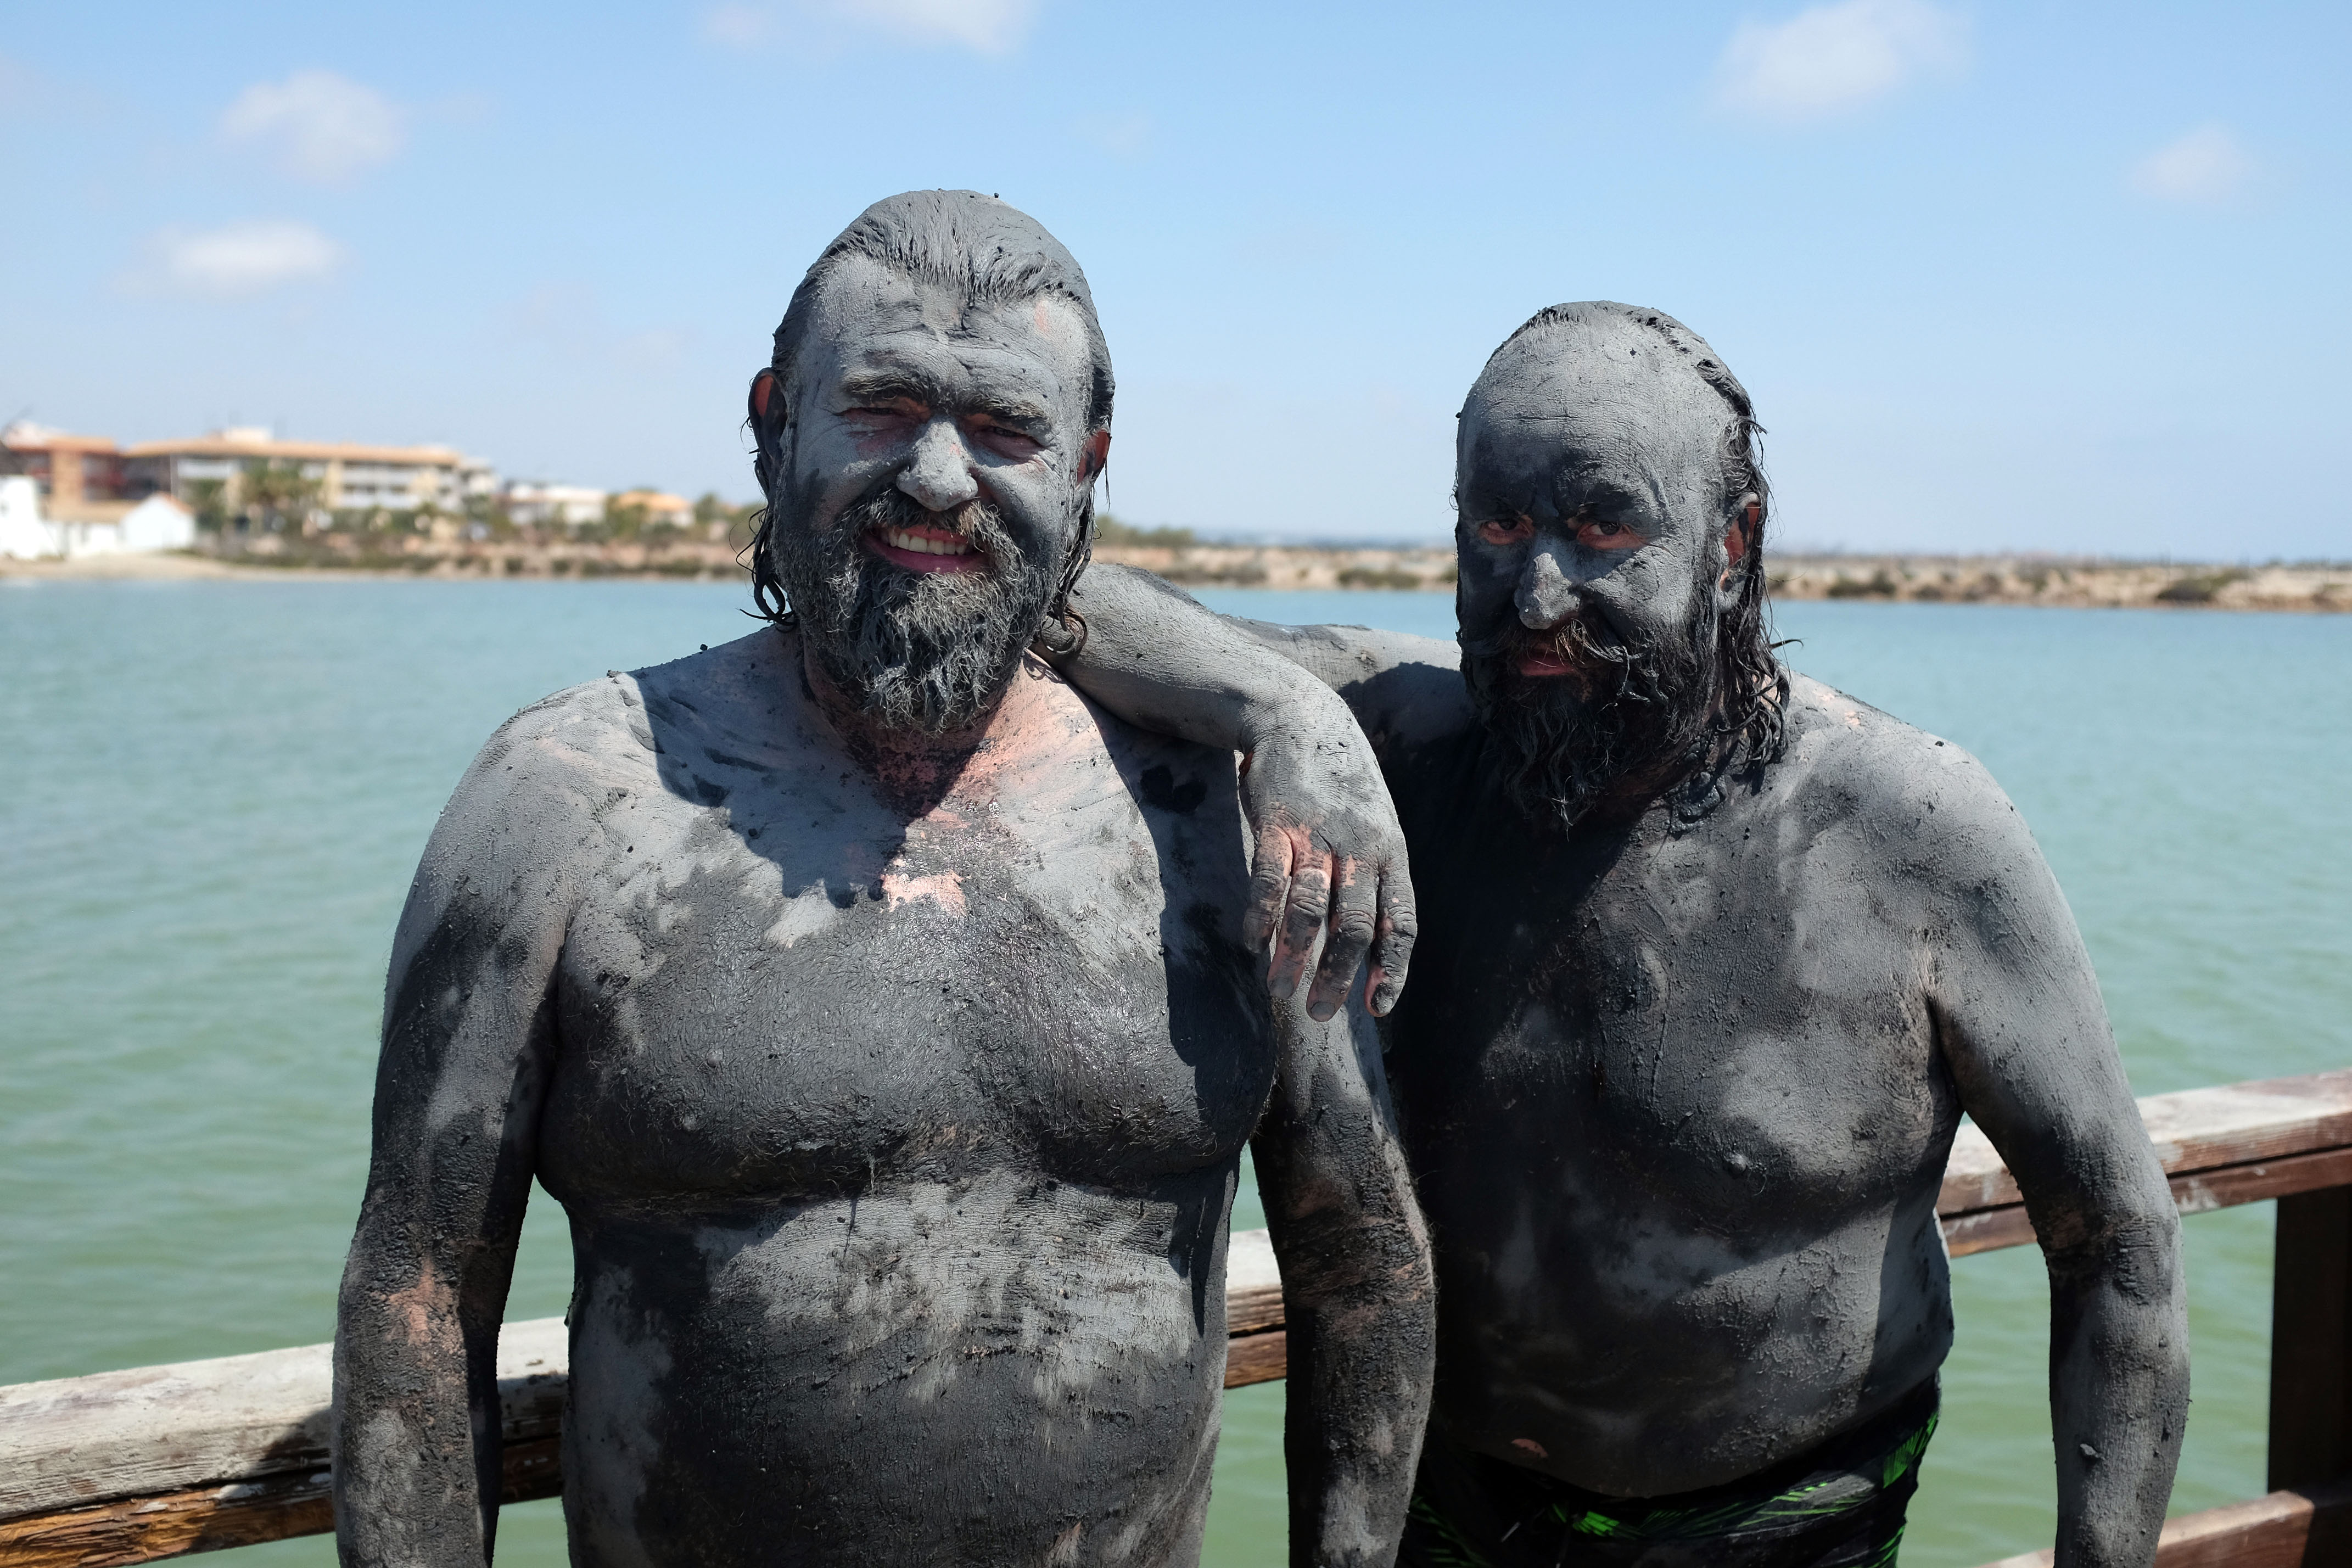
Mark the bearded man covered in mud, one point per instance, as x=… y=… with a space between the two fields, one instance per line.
x=1713 y=958
x=883 y=1015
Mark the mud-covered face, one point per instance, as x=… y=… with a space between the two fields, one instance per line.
x=936 y=475
x=1594 y=538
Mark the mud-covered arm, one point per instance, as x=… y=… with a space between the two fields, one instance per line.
x=2022 y=1028
x=1358 y=1296
x=468 y=1040
x=1329 y=857
x=1155 y=657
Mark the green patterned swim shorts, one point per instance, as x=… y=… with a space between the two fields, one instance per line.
x=1841 y=1505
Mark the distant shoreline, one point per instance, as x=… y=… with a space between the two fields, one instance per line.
x=2082 y=583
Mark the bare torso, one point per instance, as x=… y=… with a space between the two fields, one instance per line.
x=1706 y=1057
x=898 y=1154
x=1678 y=1092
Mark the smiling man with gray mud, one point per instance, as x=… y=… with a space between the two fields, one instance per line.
x=1713 y=958
x=889 y=1023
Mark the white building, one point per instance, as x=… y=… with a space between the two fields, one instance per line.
x=395 y=478
x=23 y=535
x=157 y=523
x=533 y=505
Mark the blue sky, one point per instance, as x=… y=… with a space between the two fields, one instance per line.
x=1998 y=275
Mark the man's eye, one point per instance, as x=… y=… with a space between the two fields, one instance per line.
x=1003 y=433
x=1604 y=534
x=1504 y=530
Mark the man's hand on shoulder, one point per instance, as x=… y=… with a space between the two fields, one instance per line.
x=1329 y=857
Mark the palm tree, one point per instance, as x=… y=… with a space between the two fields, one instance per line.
x=277 y=491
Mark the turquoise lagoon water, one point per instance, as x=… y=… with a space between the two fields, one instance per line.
x=211 y=796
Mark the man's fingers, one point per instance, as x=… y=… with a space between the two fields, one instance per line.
x=1269 y=889
x=1353 y=905
x=1391 y=945
x=1302 y=918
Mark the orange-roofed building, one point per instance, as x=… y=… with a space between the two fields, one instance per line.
x=66 y=470
x=350 y=476
x=658 y=505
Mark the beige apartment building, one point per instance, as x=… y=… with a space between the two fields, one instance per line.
x=76 y=477
x=350 y=476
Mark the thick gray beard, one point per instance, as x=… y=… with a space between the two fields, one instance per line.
x=931 y=651
x=1642 y=716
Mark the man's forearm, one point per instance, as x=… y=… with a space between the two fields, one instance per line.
x=1358 y=1293
x=2118 y=1395
x=415 y=1429
x=1327 y=854
x=1360 y=1371
x=1163 y=662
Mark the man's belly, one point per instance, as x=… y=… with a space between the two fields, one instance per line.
x=996 y=1370
x=1636 y=1361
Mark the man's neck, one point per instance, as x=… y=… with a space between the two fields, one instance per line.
x=914 y=769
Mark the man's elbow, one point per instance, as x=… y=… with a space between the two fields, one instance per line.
x=1372 y=1263
x=2128 y=1244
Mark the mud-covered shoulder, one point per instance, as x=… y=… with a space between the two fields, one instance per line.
x=528 y=815
x=1933 y=809
x=585 y=738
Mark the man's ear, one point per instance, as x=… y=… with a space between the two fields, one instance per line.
x=765 y=412
x=1741 y=529
x=1095 y=456
x=1738 y=536
x=767 y=402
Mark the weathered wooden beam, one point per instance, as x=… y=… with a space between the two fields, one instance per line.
x=2240 y=1143
x=128 y=1467
x=1257 y=1349
x=2304 y=1528
x=159 y=1430
x=208 y=1519
x=2311 y=1341
x=131 y=1465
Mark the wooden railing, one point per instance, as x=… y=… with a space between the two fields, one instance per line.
x=128 y=1466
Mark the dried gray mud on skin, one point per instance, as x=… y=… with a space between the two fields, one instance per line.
x=891 y=1048
x=1709 y=967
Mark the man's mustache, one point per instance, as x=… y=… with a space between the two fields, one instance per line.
x=886 y=507
x=1594 y=658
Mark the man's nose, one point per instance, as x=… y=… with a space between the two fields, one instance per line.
x=939 y=476
x=1546 y=597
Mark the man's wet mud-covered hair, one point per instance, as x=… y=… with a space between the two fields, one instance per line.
x=987 y=253
x=1754 y=686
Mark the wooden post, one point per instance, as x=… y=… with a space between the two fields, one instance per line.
x=2311 y=1341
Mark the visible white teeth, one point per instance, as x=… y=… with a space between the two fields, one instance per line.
x=900 y=539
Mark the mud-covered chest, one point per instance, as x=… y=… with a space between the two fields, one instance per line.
x=1683 y=1021
x=809 y=1016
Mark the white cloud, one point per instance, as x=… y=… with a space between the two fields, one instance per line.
x=1828 y=59
x=990 y=26
x=318 y=125
x=235 y=260
x=985 y=26
x=2208 y=165
x=738 y=26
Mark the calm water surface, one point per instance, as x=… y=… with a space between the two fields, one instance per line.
x=213 y=796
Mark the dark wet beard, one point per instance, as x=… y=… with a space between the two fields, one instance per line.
x=1623 y=717
x=915 y=651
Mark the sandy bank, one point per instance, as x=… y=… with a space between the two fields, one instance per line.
x=1951 y=579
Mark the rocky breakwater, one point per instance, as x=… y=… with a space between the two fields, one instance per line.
x=2086 y=583
x=1288 y=566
